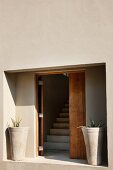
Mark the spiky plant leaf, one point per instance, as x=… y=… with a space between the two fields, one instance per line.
x=16 y=122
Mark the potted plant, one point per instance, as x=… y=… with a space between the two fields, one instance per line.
x=18 y=140
x=93 y=137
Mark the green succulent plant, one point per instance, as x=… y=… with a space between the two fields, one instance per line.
x=16 y=122
x=94 y=124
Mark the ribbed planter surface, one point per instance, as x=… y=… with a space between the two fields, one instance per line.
x=18 y=140
x=93 y=138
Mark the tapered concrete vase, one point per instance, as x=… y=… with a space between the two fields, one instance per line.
x=93 y=138
x=18 y=140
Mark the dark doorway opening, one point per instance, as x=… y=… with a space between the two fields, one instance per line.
x=53 y=101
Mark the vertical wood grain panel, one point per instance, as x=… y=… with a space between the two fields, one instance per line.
x=77 y=115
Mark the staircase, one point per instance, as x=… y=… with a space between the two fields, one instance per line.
x=59 y=134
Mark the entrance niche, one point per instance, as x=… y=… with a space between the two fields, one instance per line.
x=63 y=95
x=82 y=95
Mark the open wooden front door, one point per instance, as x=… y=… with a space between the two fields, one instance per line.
x=77 y=115
x=39 y=116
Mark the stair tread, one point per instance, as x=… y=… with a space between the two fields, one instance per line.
x=67 y=104
x=64 y=115
x=61 y=125
x=63 y=136
x=59 y=131
x=64 y=123
x=65 y=112
x=57 y=138
x=65 y=108
x=56 y=145
x=64 y=119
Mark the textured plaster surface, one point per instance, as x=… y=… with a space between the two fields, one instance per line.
x=49 y=33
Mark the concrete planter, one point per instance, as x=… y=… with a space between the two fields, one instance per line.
x=93 y=138
x=18 y=140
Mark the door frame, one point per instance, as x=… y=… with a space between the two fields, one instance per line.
x=49 y=72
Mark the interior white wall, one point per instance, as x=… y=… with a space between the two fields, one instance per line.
x=25 y=108
x=96 y=108
x=96 y=94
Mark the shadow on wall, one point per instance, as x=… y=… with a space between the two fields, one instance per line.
x=25 y=89
x=8 y=146
x=11 y=83
x=9 y=105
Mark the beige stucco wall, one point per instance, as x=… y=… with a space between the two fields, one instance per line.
x=45 y=33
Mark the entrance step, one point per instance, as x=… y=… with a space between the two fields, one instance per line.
x=64 y=132
x=64 y=115
x=54 y=138
x=61 y=125
x=66 y=120
x=56 y=146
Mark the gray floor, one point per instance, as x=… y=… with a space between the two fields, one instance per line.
x=62 y=156
x=57 y=157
